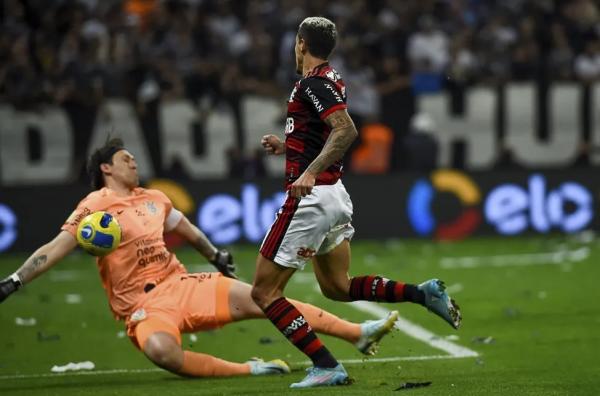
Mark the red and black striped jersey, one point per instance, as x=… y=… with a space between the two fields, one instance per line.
x=314 y=97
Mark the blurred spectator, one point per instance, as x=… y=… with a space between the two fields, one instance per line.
x=359 y=77
x=526 y=53
x=47 y=46
x=363 y=100
x=587 y=64
x=77 y=53
x=428 y=47
x=397 y=103
x=373 y=155
x=420 y=147
x=428 y=52
x=561 y=55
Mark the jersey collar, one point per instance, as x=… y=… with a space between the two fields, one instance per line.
x=316 y=69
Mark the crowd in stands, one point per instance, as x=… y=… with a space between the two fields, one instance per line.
x=82 y=51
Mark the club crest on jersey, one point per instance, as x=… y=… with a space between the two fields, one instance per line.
x=333 y=75
x=138 y=315
x=151 y=207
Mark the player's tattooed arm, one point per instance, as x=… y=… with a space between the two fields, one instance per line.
x=46 y=256
x=343 y=133
x=31 y=266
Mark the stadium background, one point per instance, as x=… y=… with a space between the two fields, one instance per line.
x=479 y=123
x=504 y=93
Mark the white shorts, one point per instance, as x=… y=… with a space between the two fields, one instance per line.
x=310 y=226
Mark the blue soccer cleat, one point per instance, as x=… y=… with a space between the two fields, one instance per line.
x=372 y=331
x=320 y=376
x=260 y=367
x=438 y=302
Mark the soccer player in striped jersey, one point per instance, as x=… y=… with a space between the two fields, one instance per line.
x=314 y=222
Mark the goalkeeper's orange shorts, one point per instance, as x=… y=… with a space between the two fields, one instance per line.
x=183 y=303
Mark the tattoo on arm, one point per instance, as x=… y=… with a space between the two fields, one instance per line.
x=343 y=133
x=31 y=266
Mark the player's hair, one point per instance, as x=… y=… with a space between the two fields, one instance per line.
x=320 y=36
x=102 y=155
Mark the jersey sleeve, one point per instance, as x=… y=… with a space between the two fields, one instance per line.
x=322 y=95
x=162 y=198
x=86 y=206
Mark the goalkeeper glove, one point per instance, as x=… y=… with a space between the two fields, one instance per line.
x=9 y=285
x=223 y=261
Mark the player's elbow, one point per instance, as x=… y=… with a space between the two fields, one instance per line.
x=349 y=133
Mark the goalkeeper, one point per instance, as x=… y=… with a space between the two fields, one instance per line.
x=151 y=291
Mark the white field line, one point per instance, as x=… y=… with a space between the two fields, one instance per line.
x=415 y=331
x=510 y=260
x=156 y=370
x=389 y=359
x=75 y=373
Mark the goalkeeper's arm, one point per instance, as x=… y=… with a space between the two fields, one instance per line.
x=221 y=259
x=38 y=263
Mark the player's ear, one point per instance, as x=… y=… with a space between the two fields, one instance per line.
x=302 y=45
x=105 y=168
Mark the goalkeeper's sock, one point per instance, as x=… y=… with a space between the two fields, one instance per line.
x=202 y=365
x=376 y=288
x=326 y=323
x=290 y=321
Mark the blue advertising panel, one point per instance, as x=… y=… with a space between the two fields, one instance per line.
x=444 y=205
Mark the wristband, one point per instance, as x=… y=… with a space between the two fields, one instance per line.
x=15 y=278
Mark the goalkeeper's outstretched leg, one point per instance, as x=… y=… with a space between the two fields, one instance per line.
x=159 y=336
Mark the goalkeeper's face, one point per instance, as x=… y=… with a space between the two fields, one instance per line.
x=124 y=169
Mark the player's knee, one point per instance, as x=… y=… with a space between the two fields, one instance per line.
x=334 y=291
x=263 y=296
x=259 y=296
x=330 y=293
x=164 y=352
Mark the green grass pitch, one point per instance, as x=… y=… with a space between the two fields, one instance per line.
x=537 y=298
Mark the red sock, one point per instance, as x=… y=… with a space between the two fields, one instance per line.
x=376 y=288
x=288 y=319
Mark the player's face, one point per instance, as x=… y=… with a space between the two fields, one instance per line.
x=299 y=56
x=124 y=169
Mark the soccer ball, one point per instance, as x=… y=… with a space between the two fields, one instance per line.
x=99 y=233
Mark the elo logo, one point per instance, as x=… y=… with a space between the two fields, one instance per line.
x=226 y=218
x=511 y=209
x=421 y=197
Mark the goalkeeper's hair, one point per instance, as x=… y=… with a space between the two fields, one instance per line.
x=320 y=35
x=102 y=155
